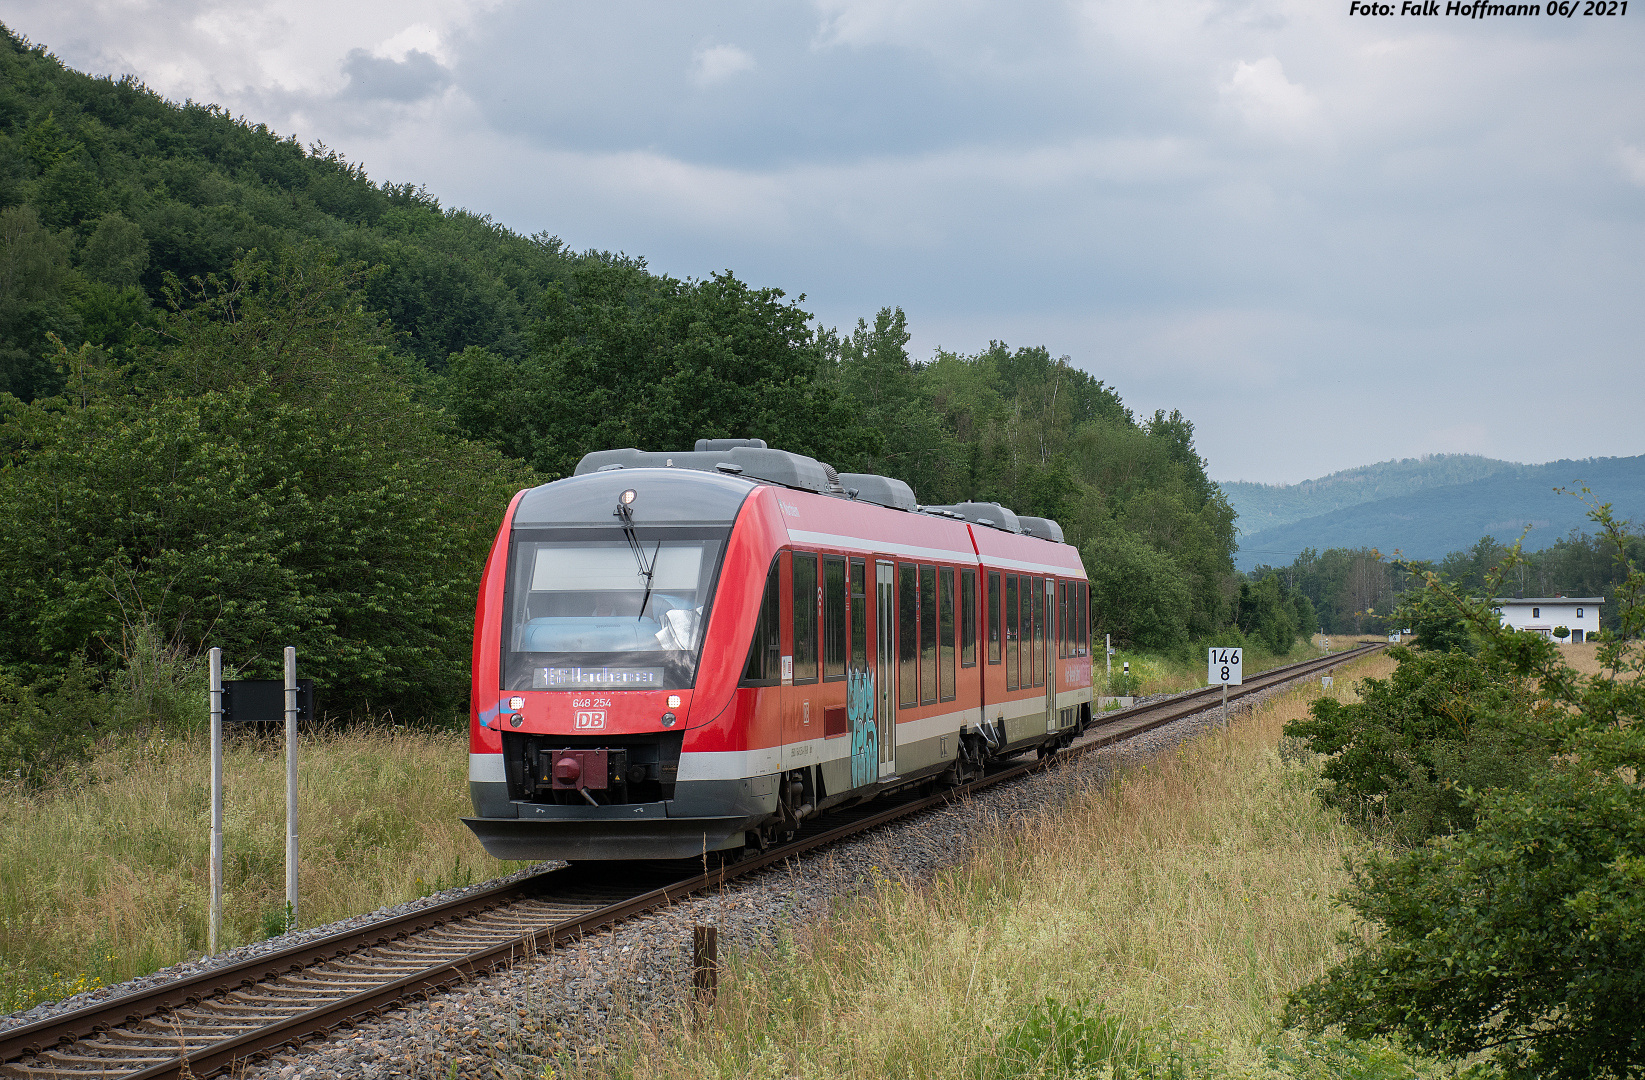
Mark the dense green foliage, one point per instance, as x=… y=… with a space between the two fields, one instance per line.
x=1410 y=749
x=258 y=476
x=106 y=188
x=1273 y=613
x=1524 y=934
x=622 y=358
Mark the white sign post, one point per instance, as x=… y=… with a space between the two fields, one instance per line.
x=291 y=787
x=1225 y=666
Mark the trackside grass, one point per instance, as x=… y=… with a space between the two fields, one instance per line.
x=1158 y=674
x=105 y=876
x=1152 y=927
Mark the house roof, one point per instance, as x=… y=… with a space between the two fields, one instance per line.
x=1548 y=600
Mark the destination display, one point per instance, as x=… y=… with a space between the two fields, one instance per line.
x=597 y=678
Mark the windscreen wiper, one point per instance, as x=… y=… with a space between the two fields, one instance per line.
x=646 y=570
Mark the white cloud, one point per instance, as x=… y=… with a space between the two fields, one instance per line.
x=716 y=63
x=1632 y=160
x=1268 y=101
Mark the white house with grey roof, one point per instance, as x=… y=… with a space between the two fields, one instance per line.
x=1579 y=614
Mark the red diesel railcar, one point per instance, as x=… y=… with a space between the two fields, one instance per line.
x=693 y=652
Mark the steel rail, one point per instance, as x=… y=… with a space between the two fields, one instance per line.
x=154 y=1003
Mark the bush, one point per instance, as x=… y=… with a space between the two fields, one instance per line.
x=1409 y=751
x=1526 y=934
x=46 y=729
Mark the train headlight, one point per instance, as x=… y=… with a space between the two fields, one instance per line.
x=673 y=701
x=668 y=719
x=516 y=703
x=627 y=497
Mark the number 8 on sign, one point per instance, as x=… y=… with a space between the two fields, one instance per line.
x=1224 y=666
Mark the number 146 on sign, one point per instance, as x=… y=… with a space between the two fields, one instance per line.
x=1224 y=667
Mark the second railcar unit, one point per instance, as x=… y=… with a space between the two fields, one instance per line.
x=683 y=653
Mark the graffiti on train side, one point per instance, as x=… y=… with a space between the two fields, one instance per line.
x=865 y=738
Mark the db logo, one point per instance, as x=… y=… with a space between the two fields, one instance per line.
x=588 y=720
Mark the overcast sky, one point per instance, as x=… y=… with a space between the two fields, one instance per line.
x=1327 y=239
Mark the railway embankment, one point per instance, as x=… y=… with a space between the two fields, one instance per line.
x=1167 y=890
x=1149 y=909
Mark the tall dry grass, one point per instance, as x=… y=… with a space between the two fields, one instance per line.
x=1174 y=908
x=107 y=879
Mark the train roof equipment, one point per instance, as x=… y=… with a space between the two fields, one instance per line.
x=880 y=490
x=1044 y=528
x=991 y=514
x=752 y=459
x=742 y=459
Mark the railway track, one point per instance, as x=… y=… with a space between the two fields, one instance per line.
x=211 y=1021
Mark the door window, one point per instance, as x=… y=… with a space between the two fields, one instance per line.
x=908 y=635
x=945 y=635
x=993 y=616
x=928 y=635
x=1012 y=627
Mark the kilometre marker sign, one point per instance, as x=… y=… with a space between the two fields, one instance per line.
x=1224 y=667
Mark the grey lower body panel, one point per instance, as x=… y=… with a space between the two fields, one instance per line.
x=704 y=815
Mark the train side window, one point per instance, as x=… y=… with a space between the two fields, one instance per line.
x=993 y=615
x=764 y=667
x=1039 y=631
x=1073 y=620
x=968 y=618
x=1082 y=615
x=1062 y=619
x=805 y=618
x=945 y=635
x=928 y=635
x=833 y=618
x=908 y=635
x=1011 y=627
x=859 y=615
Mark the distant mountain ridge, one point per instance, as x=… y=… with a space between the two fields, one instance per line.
x=1267 y=506
x=1430 y=521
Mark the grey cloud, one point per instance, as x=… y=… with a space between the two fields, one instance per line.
x=374 y=78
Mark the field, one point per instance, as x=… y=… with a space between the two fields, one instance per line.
x=1152 y=927
x=106 y=877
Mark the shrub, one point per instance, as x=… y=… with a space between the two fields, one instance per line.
x=1409 y=751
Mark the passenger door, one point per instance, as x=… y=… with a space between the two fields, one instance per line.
x=885 y=657
x=1050 y=634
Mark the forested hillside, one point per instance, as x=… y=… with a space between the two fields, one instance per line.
x=1266 y=506
x=250 y=398
x=108 y=188
x=1431 y=521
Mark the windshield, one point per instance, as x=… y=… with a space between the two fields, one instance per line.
x=607 y=614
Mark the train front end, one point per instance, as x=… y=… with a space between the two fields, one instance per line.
x=613 y=618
